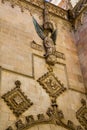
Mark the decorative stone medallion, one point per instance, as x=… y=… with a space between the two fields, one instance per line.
x=82 y=114
x=16 y=100
x=51 y=83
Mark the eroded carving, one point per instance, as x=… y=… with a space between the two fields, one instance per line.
x=36 y=46
x=24 y=4
x=51 y=84
x=19 y=124
x=48 y=34
x=30 y=119
x=60 y=55
x=58 y=11
x=39 y=3
x=9 y=128
x=79 y=7
x=81 y=114
x=16 y=100
x=41 y=117
x=49 y=45
x=76 y=15
x=54 y=113
x=55 y=116
x=70 y=15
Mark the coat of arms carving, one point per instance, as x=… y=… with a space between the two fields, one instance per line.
x=51 y=83
x=16 y=100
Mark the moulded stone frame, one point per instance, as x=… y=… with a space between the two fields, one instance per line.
x=23 y=105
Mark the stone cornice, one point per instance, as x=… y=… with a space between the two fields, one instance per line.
x=79 y=18
x=77 y=14
x=79 y=8
x=57 y=11
x=25 y=4
x=74 y=17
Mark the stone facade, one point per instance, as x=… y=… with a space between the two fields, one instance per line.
x=34 y=94
x=81 y=39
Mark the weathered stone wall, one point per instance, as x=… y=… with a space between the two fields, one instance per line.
x=81 y=43
x=21 y=59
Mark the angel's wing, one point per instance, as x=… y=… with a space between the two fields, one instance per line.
x=54 y=36
x=39 y=29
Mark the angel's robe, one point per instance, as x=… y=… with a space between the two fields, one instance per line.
x=49 y=45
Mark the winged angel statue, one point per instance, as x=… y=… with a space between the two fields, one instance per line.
x=48 y=35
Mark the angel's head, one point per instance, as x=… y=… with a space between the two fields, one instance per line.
x=47 y=33
x=49 y=26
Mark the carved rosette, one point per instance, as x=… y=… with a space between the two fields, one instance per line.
x=16 y=100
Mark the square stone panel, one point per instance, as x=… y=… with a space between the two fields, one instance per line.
x=17 y=101
x=51 y=83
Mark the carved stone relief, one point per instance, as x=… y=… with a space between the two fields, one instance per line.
x=19 y=124
x=49 y=41
x=81 y=114
x=60 y=55
x=53 y=116
x=16 y=100
x=48 y=34
x=57 y=11
x=70 y=15
x=9 y=128
x=77 y=14
x=36 y=46
x=79 y=7
x=51 y=84
x=80 y=20
x=38 y=3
